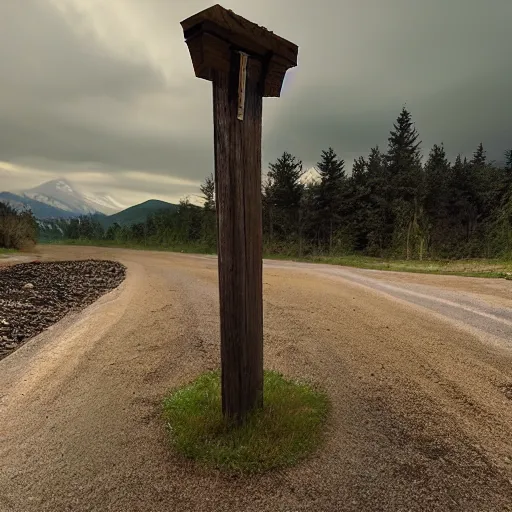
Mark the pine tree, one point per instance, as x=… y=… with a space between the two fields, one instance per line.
x=462 y=208
x=486 y=182
x=479 y=156
x=329 y=199
x=403 y=158
x=113 y=231
x=379 y=218
x=503 y=224
x=208 y=190
x=437 y=196
x=508 y=160
x=188 y=222
x=358 y=204
x=506 y=185
x=208 y=223
x=282 y=198
x=436 y=168
x=406 y=178
x=359 y=170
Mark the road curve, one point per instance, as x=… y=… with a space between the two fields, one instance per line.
x=419 y=370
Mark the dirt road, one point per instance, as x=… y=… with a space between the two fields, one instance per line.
x=418 y=369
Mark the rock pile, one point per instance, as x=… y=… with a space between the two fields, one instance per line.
x=35 y=295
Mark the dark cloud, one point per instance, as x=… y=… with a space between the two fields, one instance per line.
x=109 y=87
x=446 y=61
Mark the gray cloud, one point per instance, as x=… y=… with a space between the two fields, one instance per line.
x=108 y=87
x=447 y=61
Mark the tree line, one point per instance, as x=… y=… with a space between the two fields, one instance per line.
x=189 y=226
x=392 y=204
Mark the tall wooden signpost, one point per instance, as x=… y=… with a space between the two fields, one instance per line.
x=245 y=62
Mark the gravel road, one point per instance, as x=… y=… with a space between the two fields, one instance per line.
x=419 y=370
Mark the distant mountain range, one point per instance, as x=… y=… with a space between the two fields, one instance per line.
x=59 y=199
x=40 y=210
x=55 y=202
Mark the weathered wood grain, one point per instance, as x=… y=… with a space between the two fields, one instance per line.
x=238 y=196
x=236 y=26
x=215 y=38
x=214 y=33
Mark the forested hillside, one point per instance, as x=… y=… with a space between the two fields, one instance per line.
x=393 y=203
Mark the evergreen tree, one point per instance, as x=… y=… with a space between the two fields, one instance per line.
x=358 y=204
x=113 y=231
x=283 y=193
x=208 y=227
x=379 y=222
x=506 y=185
x=462 y=208
x=188 y=222
x=84 y=227
x=376 y=162
x=503 y=224
x=436 y=168
x=208 y=190
x=486 y=183
x=437 y=197
x=359 y=170
x=405 y=174
x=403 y=158
x=479 y=156
x=329 y=199
x=508 y=160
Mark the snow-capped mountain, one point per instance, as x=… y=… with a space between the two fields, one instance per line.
x=103 y=202
x=61 y=194
x=40 y=210
x=310 y=177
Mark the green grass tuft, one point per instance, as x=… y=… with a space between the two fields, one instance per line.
x=287 y=429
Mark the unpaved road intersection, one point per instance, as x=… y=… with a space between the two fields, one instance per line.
x=419 y=370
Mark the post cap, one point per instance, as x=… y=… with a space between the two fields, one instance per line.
x=211 y=35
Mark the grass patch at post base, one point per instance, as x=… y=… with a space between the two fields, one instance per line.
x=287 y=429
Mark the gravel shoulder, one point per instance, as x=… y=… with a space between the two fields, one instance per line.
x=421 y=419
x=35 y=295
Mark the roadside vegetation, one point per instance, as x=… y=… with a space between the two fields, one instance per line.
x=18 y=229
x=287 y=429
x=470 y=267
x=489 y=268
x=172 y=247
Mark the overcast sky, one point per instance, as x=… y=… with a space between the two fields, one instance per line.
x=103 y=92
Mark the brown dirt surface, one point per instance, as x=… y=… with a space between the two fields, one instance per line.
x=418 y=368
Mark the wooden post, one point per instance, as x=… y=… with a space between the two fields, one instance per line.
x=245 y=62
